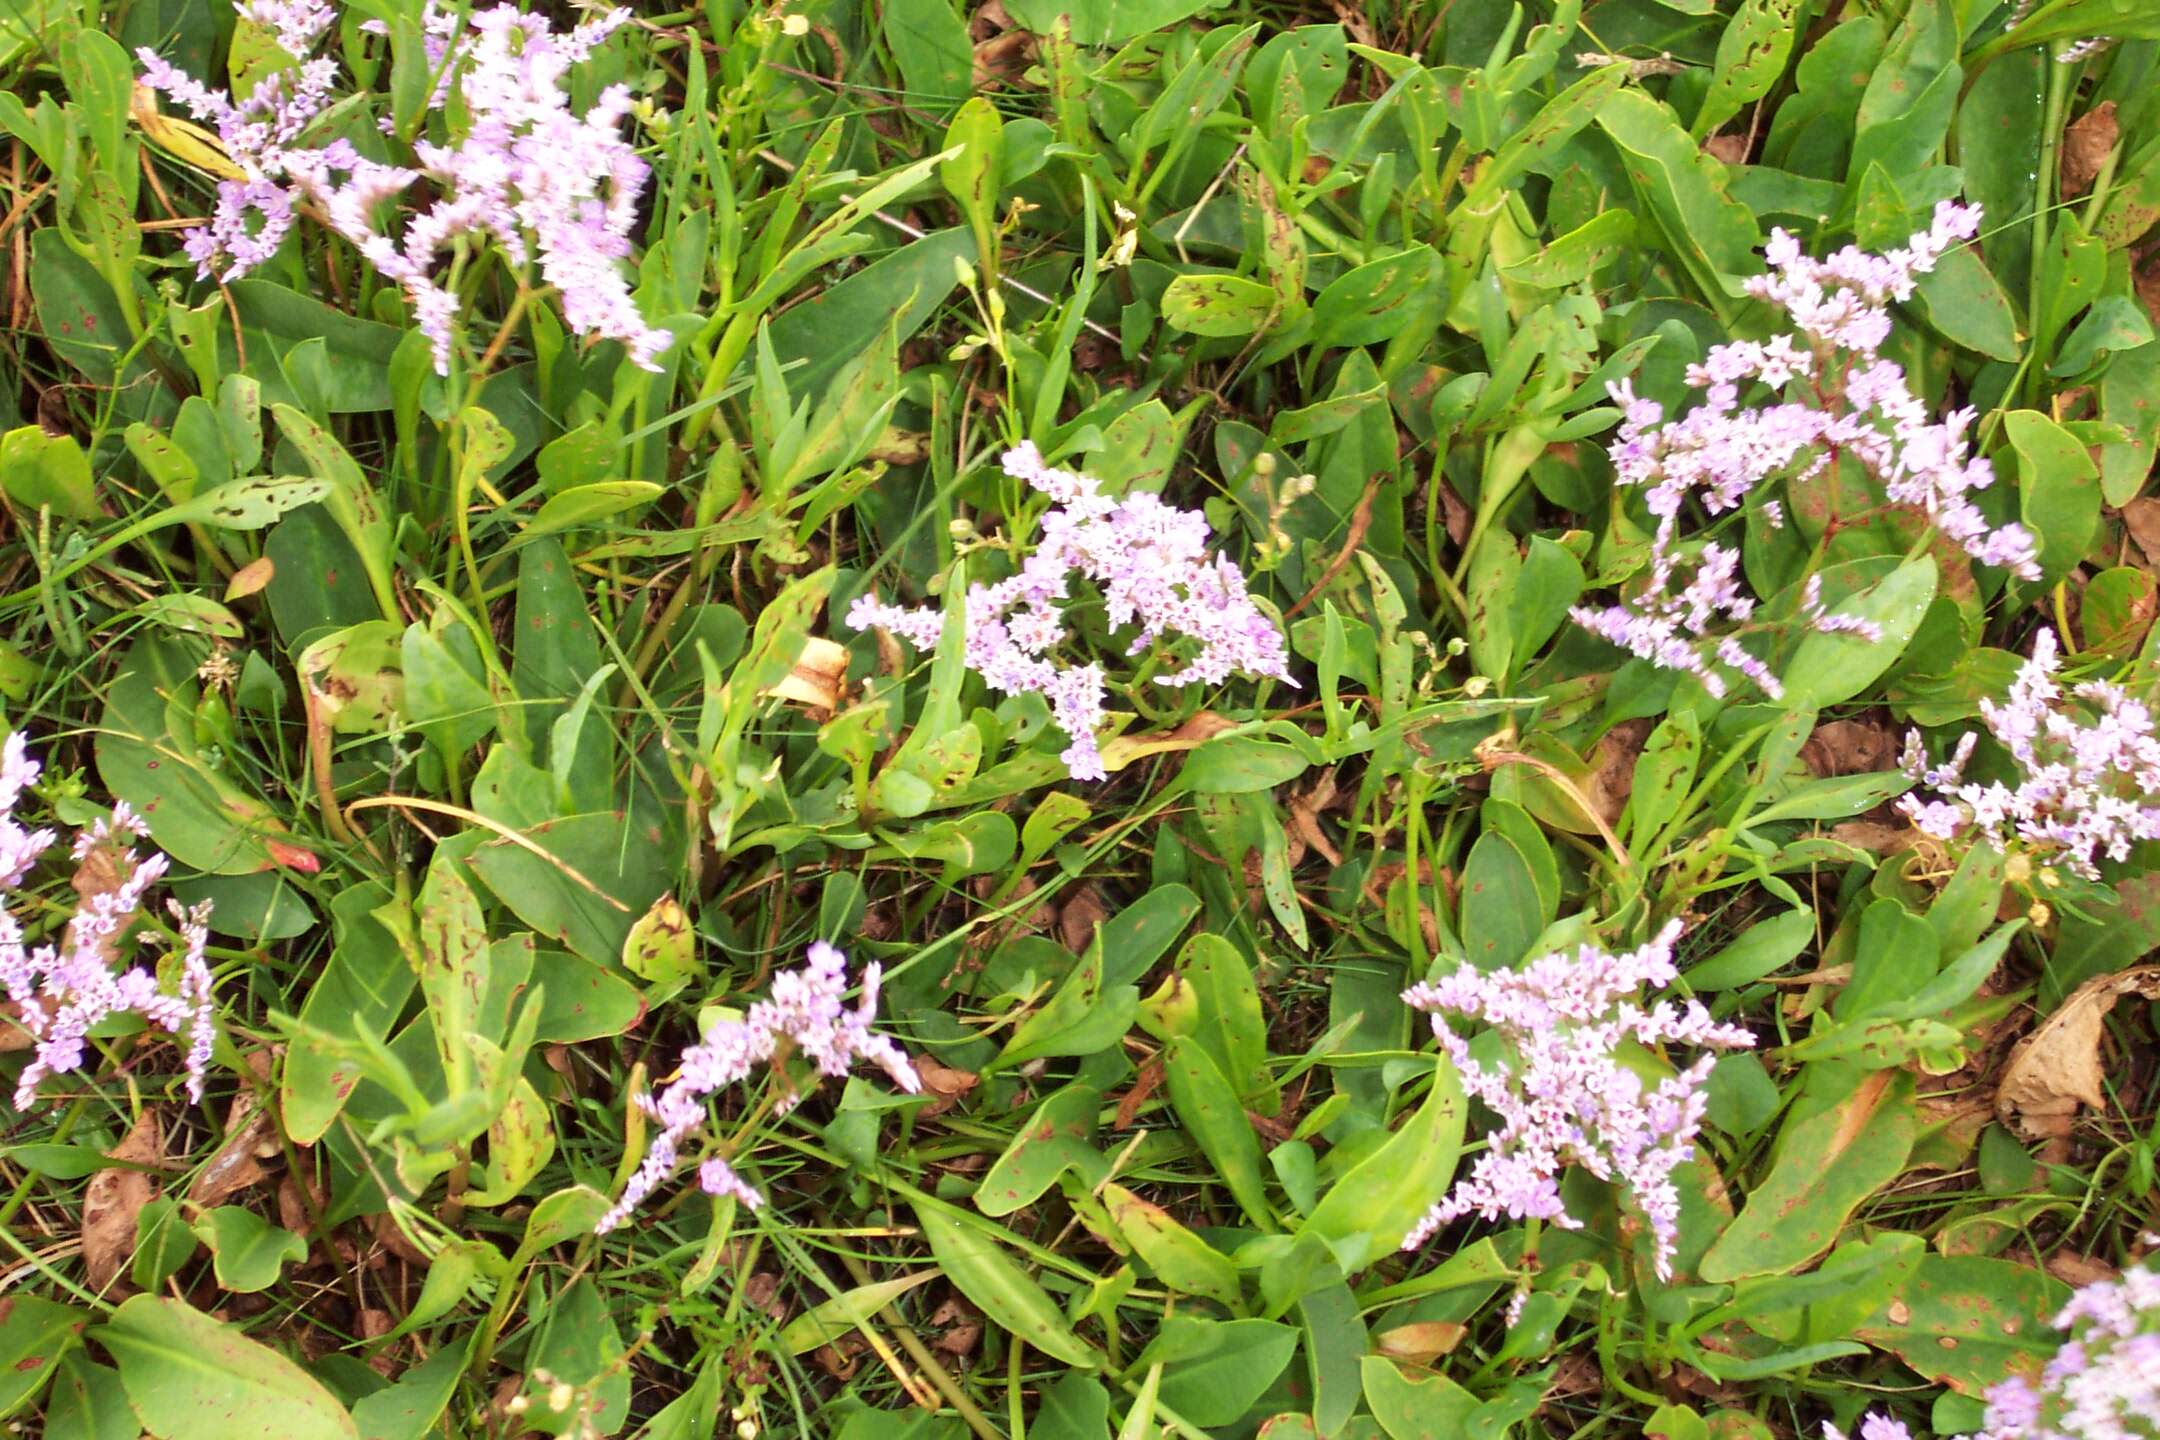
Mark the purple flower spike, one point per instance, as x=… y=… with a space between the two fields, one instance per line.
x=805 y=1010
x=1152 y=564
x=1828 y=393
x=544 y=184
x=1567 y=1099
x=61 y=991
x=2089 y=767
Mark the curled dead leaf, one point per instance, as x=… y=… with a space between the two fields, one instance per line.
x=1420 y=1341
x=1082 y=911
x=2054 y=1070
x=2085 y=147
x=115 y=1197
x=1851 y=747
x=1612 y=778
x=2141 y=517
x=1730 y=148
x=819 y=675
x=250 y=578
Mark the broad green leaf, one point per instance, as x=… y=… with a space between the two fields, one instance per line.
x=1433 y=1408
x=981 y=1270
x=34 y=1335
x=579 y=1344
x=1682 y=188
x=1106 y=22
x=409 y=1407
x=248 y=1251
x=1765 y=946
x=583 y=505
x=1081 y=1017
x=179 y=1365
x=1053 y=1140
x=1207 y=1106
x=1218 y=304
x=1969 y=1322
x=362 y=988
x=662 y=948
x=1375 y=1203
x=1825 y=1166
x=1501 y=912
x=1751 y=56
x=930 y=43
x=1216 y=1370
x=2058 y=490
x=1374 y=302
x=88 y=1402
x=1180 y=1259
x=828 y=1321
x=147 y=755
x=1831 y=669
x=40 y=470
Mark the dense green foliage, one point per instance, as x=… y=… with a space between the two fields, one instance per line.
x=510 y=720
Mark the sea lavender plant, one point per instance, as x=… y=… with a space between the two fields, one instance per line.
x=521 y=167
x=2103 y=1384
x=1152 y=565
x=1828 y=392
x=61 y=991
x=2088 y=766
x=804 y=1014
x=1568 y=1098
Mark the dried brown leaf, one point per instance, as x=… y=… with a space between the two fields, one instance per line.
x=249 y=1139
x=1079 y=916
x=1420 y=1341
x=1731 y=148
x=2077 y=1271
x=115 y=1197
x=2085 y=147
x=2142 y=519
x=1006 y=57
x=2054 y=1070
x=819 y=674
x=250 y=578
x=1850 y=747
x=1612 y=778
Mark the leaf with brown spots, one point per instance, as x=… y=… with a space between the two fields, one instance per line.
x=2057 y=1068
x=115 y=1197
x=1828 y=1162
x=1969 y=1322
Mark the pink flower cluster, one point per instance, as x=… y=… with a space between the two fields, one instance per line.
x=522 y=170
x=1831 y=394
x=1568 y=1098
x=805 y=1013
x=1152 y=564
x=2103 y=1384
x=2089 y=783
x=61 y=991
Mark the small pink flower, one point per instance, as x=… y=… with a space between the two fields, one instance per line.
x=1152 y=564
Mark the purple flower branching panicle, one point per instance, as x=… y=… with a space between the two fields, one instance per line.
x=543 y=183
x=61 y=991
x=1826 y=392
x=1872 y=1427
x=2102 y=1384
x=804 y=1013
x=1153 y=567
x=1567 y=1098
x=2088 y=765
